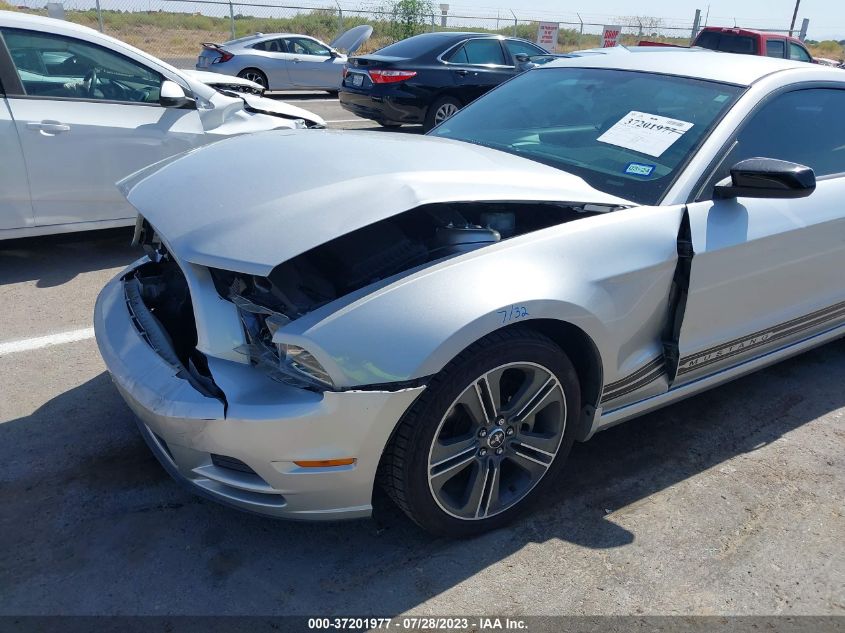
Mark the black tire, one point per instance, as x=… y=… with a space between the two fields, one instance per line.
x=432 y=115
x=405 y=466
x=253 y=74
x=333 y=93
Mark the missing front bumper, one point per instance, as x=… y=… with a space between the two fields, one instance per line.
x=265 y=425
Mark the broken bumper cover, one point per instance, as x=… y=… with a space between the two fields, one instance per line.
x=242 y=453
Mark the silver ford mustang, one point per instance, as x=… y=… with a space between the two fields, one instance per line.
x=445 y=315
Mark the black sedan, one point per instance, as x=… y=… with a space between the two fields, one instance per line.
x=427 y=78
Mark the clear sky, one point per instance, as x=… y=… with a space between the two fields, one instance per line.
x=827 y=17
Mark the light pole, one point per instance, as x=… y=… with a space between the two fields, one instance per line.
x=794 y=16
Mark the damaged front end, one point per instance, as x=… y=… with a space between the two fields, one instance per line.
x=375 y=254
x=159 y=304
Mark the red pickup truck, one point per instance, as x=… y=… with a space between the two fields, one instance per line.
x=748 y=42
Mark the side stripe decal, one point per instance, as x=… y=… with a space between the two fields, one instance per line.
x=656 y=368
x=760 y=338
x=646 y=374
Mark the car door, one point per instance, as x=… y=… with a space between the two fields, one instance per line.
x=769 y=272
x=799 y=53
x=312 y=64
x=15 y=204
x=87 y=116
x=479 y=65
x=521 y=47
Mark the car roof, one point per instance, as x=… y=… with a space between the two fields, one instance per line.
x=736 y=30
x=698 y=63
x=460 y=35
x=27 y=20
x=263 y=37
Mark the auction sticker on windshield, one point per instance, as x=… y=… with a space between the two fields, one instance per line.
x=650 y=134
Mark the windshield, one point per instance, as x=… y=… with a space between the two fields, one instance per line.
x=625 y=133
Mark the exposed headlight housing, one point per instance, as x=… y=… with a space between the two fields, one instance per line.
x=301 y=360
x=290 y=364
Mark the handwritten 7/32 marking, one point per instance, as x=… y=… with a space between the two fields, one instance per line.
x=513 y=313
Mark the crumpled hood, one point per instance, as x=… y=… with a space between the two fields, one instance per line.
x=280 y=108
x=255 y=102
x=251 y=202
x=217 y=79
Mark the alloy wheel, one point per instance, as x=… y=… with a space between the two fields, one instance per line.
x=255 y=77
x=444 y=112
x=497 y=440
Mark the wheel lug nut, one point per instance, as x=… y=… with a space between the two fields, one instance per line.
x=482 y=433
x=509 y=432
x=500 y=421
x=482 y=452
x=500 y=450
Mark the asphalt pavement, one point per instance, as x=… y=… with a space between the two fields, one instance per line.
x=727 y=503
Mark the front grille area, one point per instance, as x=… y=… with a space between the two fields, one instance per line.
x=224 y=461
x=159 y=304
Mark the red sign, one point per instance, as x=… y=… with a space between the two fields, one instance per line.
x=610 y=36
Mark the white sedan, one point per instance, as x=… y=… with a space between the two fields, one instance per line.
x=80 y=110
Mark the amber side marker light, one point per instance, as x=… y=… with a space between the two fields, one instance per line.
x=324 y=463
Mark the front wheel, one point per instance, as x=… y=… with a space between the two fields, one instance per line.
x=440 y=110
x=487 y=436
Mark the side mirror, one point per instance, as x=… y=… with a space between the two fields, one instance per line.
x=334 y=53
x=172 y=95
x=766 y=178
x=522 y=58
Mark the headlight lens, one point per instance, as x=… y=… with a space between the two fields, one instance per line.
x=302 y=361
x=290 y=364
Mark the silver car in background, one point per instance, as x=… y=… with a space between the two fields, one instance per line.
x=284 y=61
x=445 y=315
x=80 y=110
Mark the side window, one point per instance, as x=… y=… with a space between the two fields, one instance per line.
x=480 y=52
x=805 y=126
x=272 y=46
x=776 y=48
x=53 y=66
x=458 y=56
x=518 y=47
x=798 y=53
x=304 y=46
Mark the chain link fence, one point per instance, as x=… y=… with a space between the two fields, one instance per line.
x=174 y=29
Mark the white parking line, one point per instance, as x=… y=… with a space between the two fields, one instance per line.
x=349 y=121
x=28 y=344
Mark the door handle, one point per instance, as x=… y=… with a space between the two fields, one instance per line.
x=48 y=127
x=462 y=73
x=296 y=60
